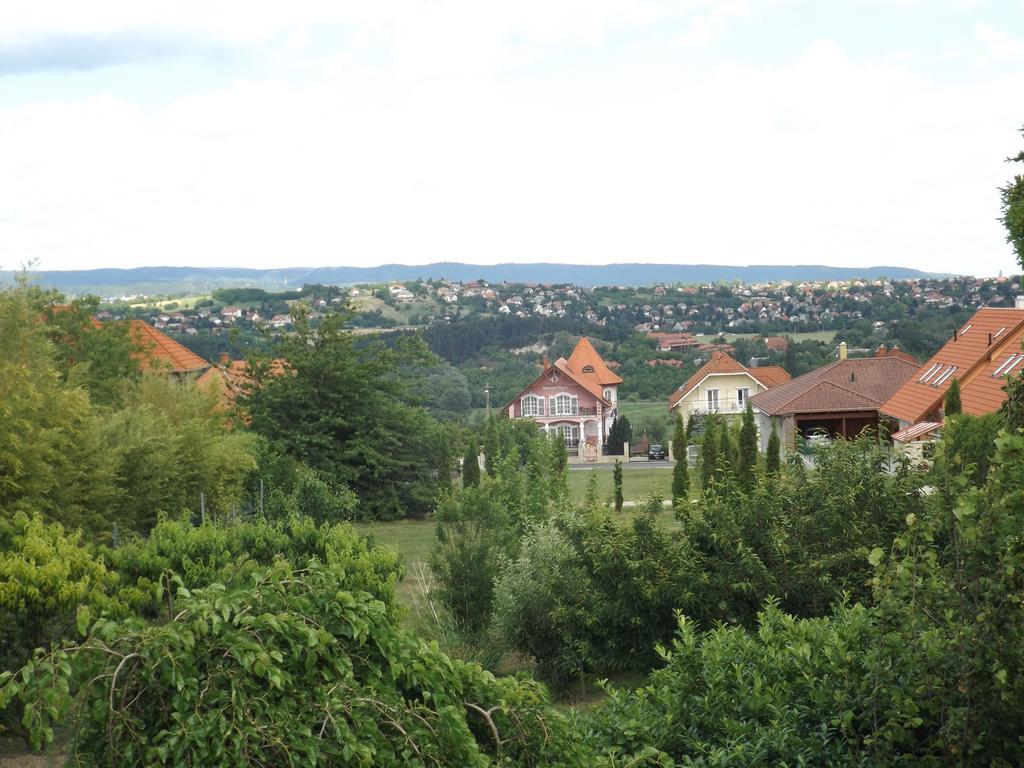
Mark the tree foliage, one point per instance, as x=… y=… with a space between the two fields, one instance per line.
x=680 y=472
x=747 y=468
x=952 y=406
x=1013 y=209
x=772 y=455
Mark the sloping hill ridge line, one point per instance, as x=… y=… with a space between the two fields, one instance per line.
x=538 y=272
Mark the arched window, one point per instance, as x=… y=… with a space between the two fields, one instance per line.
x=532 y=405
x=609 y=395
x=588 y=369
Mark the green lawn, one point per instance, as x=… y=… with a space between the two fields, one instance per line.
x=634 y=410
x=637 y=484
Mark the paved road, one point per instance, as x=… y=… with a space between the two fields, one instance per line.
x=627 y=466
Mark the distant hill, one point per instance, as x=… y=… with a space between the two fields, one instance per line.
x=175 y=280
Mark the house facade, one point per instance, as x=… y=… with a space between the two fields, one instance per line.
x=576 y=399
x=841 y=399
x=723 y=386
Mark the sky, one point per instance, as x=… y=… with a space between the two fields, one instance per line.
x=329 y=132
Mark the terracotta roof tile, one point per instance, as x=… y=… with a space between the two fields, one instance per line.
x=971 y=359
x=585 y=356
x=855 y=384
x=770 y=375
x=158 y=349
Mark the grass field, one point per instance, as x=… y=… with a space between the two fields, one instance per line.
x=637 y=484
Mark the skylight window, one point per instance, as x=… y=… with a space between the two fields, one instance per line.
x=1009 y=364
x=966 y=328
x=945 y=375
x=998 y=333
x=930 y=372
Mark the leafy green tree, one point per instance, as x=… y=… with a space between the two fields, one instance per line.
x=747 y=469
x=492 y=449
x=471 y=466
x=1013 y=209
x=174 y=455
x=344 y=409
x=708 y=452
x=52 y=459
x=725 y=464
x=772 y=457
x=290 y=669
x=952 y=405
x=1012 y=409
x=968 y=445
x=680 y=472
x=587 y=594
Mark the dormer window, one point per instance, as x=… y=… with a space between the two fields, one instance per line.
x=588 y=369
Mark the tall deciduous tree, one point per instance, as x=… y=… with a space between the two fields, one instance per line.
x=680 y=473
x=344 y=409
x=747 y=470
x=1013 y=209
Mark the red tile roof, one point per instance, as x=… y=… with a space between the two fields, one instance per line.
x=233 y=378
x=160 y=351
x=971 y=358
x=855 y=384
x=584 y=357
x=720 y=362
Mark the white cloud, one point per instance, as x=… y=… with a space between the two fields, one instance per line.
x=437 y=154
x=999 y=45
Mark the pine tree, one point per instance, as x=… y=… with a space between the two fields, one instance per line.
x=680 y=473
x=617 y=481
x=708 y=452
x=691 y=425
x=620 y=434
x=747 y=470
x=953 y=407
x=471 y=466
x=772 y=460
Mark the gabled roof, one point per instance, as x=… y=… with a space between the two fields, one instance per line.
x=970 y=358
x=584 y=356
x=159 y=350
x=768 y=376
x=854 y=384
x=234 y=377
x=562 y=366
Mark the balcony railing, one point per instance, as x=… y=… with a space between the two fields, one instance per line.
x=724 y=405
x=551 y=412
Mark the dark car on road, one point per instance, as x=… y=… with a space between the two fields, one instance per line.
x=656 y=453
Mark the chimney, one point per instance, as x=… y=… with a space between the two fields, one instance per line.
x=842 y=350
x=990 y=339
x=1018 y=303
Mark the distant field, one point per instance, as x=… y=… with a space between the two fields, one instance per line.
x=645 y=408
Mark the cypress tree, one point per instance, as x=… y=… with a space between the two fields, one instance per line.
x=691 y=424
x=491 y=446
x=681 y=472
x=953 y=407
x=708 y=452
x=617 y=480
x=471 y=466
x=772 y=460
x=726 y=449
x=748 y=449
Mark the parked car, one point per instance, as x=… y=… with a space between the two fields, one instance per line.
x=656 y=453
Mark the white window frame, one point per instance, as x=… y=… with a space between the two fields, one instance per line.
x=966 y=328
x=945 y=375
x=713 y=408
x=556 y=403
x=536 y=402
x=742 y=393
x=609 y=395
x=1013 y=365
